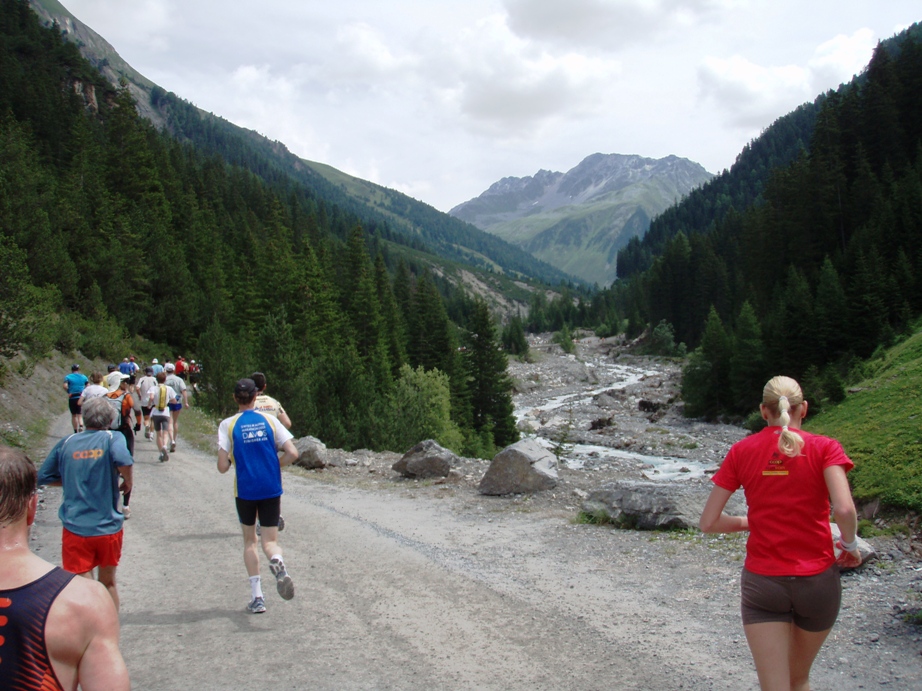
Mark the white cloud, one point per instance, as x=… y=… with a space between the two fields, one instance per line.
x=505 y=86
x=751 y=95
x=839 y=59
x=154 y=15
x=362 y=54
x=606 y=24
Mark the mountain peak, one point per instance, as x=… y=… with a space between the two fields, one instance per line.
x=596 y=201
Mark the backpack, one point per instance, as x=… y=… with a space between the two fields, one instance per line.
x=117 y=404
x=162 y=399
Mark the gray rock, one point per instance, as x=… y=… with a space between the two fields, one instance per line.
x=426 y=459
x=654 y=505
x=312 y=453
x=522 y=467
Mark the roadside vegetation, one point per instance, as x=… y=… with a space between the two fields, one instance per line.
x=880 y=425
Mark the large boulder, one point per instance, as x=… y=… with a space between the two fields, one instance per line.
x=525 y=466
x=426 y=459
x=312 y=453
x=655 y=505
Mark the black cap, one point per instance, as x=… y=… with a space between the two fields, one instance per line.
x=148 y=370
x=245 y=387
x=74 y=368
x=110 y=367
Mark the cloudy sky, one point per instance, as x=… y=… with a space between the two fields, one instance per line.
x=441 y=98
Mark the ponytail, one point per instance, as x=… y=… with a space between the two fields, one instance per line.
x=780 y=395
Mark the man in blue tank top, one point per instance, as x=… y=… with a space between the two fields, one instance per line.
x=251 y=442
x=74 y=384
x=56 y=631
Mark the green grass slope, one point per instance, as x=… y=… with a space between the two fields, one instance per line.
x=880 y=426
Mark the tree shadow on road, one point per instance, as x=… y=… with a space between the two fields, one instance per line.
x=242 y=619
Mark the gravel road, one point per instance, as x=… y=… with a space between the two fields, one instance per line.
x=421 y=585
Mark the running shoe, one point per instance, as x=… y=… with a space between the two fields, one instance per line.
x=147 y=434
x=281 y=524
x=172 y=447
x=164 y=455
x=283 y=582
x=257 y=606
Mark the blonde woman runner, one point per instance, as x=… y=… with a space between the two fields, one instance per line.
x=790 y=581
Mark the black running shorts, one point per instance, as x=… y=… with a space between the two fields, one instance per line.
x=811 y=602
x=268 y=511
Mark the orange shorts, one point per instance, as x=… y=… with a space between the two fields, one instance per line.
x=81 y=554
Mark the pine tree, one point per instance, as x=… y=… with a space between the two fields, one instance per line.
x=866 y=308
x=830 y=314
x=491 y=399
x=706 y=378
x=748 y=372
x=792 y=346
x=394 y=327
x=431 y=344
x=513 y=338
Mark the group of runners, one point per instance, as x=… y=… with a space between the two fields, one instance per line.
x=790 y=587
x=154 y=399
x=42 y=644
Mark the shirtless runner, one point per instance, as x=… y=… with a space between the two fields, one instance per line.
x=39 y=603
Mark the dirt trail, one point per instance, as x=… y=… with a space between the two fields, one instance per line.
x=431 y=591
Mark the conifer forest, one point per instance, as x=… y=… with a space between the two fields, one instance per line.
x=115 y=235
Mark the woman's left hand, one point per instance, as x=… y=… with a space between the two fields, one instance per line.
x=847 y=560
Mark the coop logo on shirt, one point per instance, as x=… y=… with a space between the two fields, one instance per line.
x=88 y=453
x=253 y=433
x=776 y=466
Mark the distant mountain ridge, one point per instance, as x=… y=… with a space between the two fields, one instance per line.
x=578 y=220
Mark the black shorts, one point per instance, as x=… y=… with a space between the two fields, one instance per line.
x=73 y=405
x=268 y=511
x=145 y=410
x=810 y=602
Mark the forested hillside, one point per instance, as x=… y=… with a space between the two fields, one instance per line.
x=381 y=211
x=804 y=268
x=737 y=188
x=111 y=229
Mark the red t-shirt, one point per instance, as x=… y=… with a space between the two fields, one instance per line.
x=789 y=533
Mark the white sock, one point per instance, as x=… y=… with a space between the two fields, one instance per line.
x=256 y=588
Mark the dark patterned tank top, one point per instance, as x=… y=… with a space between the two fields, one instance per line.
x=24 y=661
